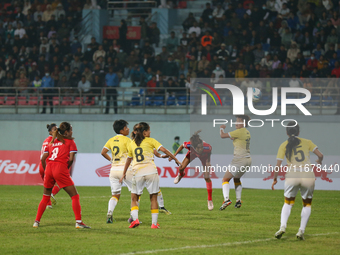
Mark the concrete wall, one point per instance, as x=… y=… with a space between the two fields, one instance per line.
x=26 y=132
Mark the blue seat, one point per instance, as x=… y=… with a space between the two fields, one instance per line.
x=265 y=46
x=265 y=100
x=171 y=100
x=182 y=100
x=327 y=101
x=135 y=101
x=315 y=100
x=158 y=100
x=149 y=101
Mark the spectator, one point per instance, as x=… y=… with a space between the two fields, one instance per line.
x=37 y=13
x=151 y=84
x=321 y=62
x=218 y=13
x=111 y=81
x=312 y=63
x=203 y=64
x=47 y=84
x=99 y=53
x=20 y=31
x=172 y=42
x=170 y=69
x=293 y=51
x=267 y=61
x=206 y=39
x=154 y=34
x=189 y=21
x=84 y=84
x=195 y=28
x=219 y=71
x=36 y=83
x=137 y=74
x=336 y=70
x=240 y=73
x=59 y=11
x=294 y=82
x=221 y=53
x=47 y=13
x=207 y=15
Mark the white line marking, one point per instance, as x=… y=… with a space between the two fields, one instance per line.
x=216 y=245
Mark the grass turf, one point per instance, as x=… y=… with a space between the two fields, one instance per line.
x=191 y=224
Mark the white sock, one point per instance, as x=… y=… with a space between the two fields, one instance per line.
x=305 y=213
x=154 y=216
x=225 y=188
x=160 y=199
x=285 y=214
x=238 y=190
x=112 y=204
x=134 y=213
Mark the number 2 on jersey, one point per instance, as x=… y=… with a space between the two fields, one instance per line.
x=139 y=154
x=54 y=153
x=115 y=153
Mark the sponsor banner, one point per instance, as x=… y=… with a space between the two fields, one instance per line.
x=112 y=32
x=20 y=168
x=93 y=170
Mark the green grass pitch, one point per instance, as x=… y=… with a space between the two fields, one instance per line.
x=191 y=229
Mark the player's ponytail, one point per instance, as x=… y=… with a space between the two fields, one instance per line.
x=293 y=141
x=195 y=139
x=138 y=131
x=133 y=133
x=59 y=133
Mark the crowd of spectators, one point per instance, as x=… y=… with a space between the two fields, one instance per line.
x=231 y=39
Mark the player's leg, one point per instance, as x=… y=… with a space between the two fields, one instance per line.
x=181 y=173
x=152 y=185
x=226 y=189
x=307 y=190
x=136 y=190
x=72 y=192
x=42 y=206
x=291 y=189
x=238 y=191
x=55 y=191
x=116 y=188
x=160 y=201
x=208 y=183
x=42 y=174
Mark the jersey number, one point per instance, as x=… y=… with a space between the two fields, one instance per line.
x=139 y=154
x=116 y=153
x=54 y=153
x=302 y=155
x=248 y=144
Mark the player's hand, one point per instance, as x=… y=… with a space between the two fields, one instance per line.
x=170 y=159
x=232 y=138
x=123 y=178
x=164 y=156
x=318 y=161
x=274 y=183
x=178 y=163
x=223 y=126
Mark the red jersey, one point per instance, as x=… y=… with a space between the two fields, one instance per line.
x=44 y=145
x=192 y=154
x=60 y=152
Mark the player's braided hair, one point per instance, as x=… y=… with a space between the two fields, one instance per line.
x=293 y=141
x=59 y=133
x=138 y=132
x=195 y=140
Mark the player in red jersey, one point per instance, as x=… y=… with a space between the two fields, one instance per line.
x=197 y=149
x=50 y=127
x=60 y=153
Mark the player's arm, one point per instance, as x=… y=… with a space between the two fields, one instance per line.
x=158 y=155
x=180 y=148
x=71 y=159
x=222 y=133
x=43 y=159
x=162 y=149
x=319 y=154
x=126 y=167
x=105 y=155
x=276 y=173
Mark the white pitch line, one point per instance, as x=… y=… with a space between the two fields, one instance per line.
x=215 y=245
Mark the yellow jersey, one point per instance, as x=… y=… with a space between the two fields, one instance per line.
x=143 y=156
x=241 y=142
x=300 y=154
x=118 y=145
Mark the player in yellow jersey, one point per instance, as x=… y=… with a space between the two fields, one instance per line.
x=160 y=199
x=145 y=174
x=299 y=176
x=241 y=160
x=118 y=145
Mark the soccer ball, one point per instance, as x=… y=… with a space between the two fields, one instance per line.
x=256 y=94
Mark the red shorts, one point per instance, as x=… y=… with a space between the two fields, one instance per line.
x=192 y=156
x=57 y=173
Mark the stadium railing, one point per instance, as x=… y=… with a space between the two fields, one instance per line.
x=141 y=100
